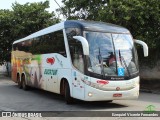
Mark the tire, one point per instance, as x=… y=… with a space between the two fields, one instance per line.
x=19 y=82
x=24 y=86
x=109 y=101
x=68 y=98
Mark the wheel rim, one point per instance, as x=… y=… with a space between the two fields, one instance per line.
x=65 y=90
x=18 y=80
x=23 y=84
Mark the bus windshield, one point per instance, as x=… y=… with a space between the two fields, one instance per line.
x=111 y=54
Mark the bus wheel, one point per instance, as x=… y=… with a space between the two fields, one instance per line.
x=19 y=82
x=109 y=101
x=68 y=98
x=25 y=87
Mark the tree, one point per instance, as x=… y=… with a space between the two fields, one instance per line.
x=31 y=17
x=5 y=33
x=22 y=21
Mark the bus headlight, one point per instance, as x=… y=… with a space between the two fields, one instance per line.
x=90 y=94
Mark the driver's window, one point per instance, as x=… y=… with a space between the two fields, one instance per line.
x=75 y=47
x=101 y=53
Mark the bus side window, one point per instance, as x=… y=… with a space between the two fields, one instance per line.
x=75 y=47
x=77 y=56
x=76 y=51
x=60 y=45
x=49 y=43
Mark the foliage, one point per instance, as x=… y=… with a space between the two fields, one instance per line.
x=5 y=32
x=22 y=21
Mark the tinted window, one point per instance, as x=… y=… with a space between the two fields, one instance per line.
x=75 y=47
x=50 y=43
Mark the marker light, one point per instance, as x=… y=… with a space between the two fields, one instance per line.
x=90 y=94
x=104 y=82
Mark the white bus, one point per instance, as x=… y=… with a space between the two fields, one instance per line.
x=86 y=60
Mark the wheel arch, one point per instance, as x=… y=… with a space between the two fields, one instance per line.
x=23 y=74
x=62 y=85
x=18 y=75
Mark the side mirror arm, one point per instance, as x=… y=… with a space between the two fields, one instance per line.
x=84 y=44
x=145 y=47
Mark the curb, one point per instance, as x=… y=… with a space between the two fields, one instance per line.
x=149 y=91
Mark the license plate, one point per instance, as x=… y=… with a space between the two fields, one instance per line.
x=117 y=95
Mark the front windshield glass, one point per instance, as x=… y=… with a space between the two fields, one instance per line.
x=111 y=54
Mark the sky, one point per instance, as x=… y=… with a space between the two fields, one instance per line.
x=6 y=4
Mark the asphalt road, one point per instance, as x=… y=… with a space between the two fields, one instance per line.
x=14 y=99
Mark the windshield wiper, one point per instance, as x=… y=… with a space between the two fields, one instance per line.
x=101 y=62
x=124 y=62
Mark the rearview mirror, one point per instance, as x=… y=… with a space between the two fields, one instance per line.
x=145 y=47
x=84 y=44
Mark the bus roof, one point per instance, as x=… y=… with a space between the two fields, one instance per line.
x=96 y=26
x=44 y=31
x=84 y=25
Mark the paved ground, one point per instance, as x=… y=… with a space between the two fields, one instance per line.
x=152 y=86
x=14 y=99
